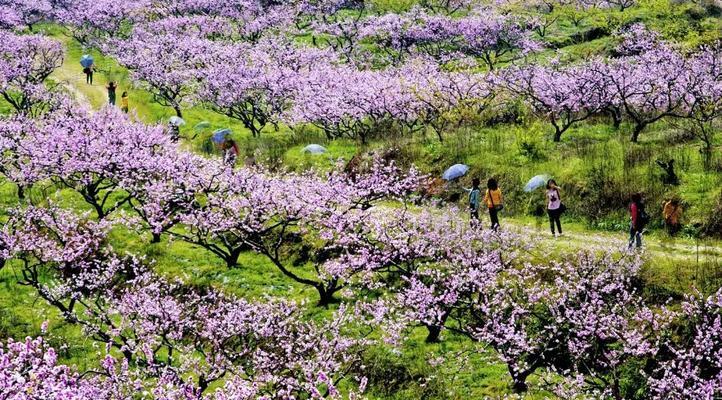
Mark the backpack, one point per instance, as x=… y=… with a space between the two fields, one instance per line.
x=497 y=207
x=644 y=218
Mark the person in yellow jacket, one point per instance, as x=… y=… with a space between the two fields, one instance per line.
x=672 y=213
x=124 y=102
x=494 y=201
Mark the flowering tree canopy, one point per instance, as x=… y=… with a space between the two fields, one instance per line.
x=26 y=61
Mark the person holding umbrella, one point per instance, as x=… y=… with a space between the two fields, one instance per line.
x=227 y=145
x=174 y=131
x=88 y=68
x=89 y=74
x=555 y=208
x=494 y=201
x=174 y=125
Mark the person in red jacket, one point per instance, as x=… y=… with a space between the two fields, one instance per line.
x=636 y=211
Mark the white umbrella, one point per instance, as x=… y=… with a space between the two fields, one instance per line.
x=177 y=121
x=536 y=182
x=314 y=149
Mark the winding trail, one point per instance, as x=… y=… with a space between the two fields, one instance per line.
x=70 y=76
x=65 y=82
x=662 y=247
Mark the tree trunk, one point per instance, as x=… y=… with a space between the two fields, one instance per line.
x=99 y=211
x=178 y=111
x=559 y=129
x=434 y=335
x=519 y=380
x=438 y=134
x=325 y=296
x=232 y=258
x=707 y=150
x=202 y=383
x=616 y=118
x=616 y=393
x=638 y=128
x=156 y=238
x=21 y=192
x=557 y=135
x=519 y=386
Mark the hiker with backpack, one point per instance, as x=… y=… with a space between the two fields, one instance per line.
x=639 y=219
x=494 y=201
x=555 y=207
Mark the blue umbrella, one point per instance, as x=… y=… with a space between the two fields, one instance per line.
x=536 y=182
x=314 y=149
x=220 y=135
x=86 y=61
x=455 y=171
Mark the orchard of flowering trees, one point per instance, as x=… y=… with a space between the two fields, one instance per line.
x=381 y=263
x=585 y=320
x=366 y=72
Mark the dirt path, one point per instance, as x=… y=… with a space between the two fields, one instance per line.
x=658 y=247
x=71 y=77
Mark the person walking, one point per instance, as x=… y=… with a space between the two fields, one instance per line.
x=638 y=219
x=111 y=86
x=494 y=201
x=474 y=201
x=124 y=102
x=672 y=213
x=555 y=207
x=88 y=71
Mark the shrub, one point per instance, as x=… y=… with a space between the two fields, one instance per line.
x=391 y=374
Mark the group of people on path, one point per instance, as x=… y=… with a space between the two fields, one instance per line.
x=228 y=147
x=639 y=219
x=493 y=200
x=112 y=87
